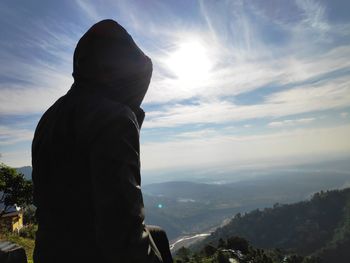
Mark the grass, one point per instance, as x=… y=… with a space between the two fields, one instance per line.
x=26 y=243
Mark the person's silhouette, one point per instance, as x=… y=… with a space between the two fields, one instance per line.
x=85 y=157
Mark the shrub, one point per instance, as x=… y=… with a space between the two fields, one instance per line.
x=28 y=231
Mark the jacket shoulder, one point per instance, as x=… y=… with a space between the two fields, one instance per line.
x=48 y=115
x=102 y=109
x=99 y=114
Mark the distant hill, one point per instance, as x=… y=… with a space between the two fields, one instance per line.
x=26 y=171
x=239 y=250
x=186 y=208
x=319 y=227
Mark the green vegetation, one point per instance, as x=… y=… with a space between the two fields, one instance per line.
x=319 y=227
x=314 y=231
x=238 y=250
x=25 y=238
x=14 y=189
x=26 y=243
x=190 y=208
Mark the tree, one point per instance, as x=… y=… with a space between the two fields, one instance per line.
x=209 y=250
x=221 y=243
x=29 y=215
x=238 y=243
x=184 y=254
x=294 y=259
x=221 y=258
x=14 y=189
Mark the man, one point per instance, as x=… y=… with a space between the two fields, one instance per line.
x=85 y=156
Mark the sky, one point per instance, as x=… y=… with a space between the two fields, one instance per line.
x=235 y=83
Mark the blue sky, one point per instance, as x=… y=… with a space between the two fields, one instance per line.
x=269 y=82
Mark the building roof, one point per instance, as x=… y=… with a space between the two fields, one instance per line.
x=10 y=209
x=11 y=214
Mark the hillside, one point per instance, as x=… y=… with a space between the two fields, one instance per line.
x=26 y=171
x=238 y=250
x=320 y=227
x=185 y=208
x=189 y=208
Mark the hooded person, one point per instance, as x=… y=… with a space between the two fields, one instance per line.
x=85 y=158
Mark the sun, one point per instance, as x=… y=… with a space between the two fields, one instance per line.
x=190 y=62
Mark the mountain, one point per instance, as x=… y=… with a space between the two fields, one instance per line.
x=239 y=250
x=26 y=171
x=224 y=175
x=185 y=208
x=318 y=227
x=188 y=208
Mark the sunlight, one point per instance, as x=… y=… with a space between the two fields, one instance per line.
x=190 y=63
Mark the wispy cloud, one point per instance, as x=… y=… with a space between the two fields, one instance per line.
x=10 y=135
x=88 y=8
x=238 y=70
x=310 y=98
x=205 y=133
x=344 y=114
x=292 y=122
x=286 y=59
x=235 y=150
x=314 y=14
x=32 y=87
x=16 y=158
x=38 y=66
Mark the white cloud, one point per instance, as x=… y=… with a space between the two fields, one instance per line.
x=10 y=135
x=205 y=133
x=231 y=150
x=314 y=14
x=310 y=70
x=320 y=96
x=21 y=100
x=344 y=114
x=243 y=61
x=240 y=66
x=88 y=9
x=16 y=158
x=241 y=76
x=292 y=122
x=30 y=84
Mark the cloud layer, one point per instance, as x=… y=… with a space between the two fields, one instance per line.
x=274 y=66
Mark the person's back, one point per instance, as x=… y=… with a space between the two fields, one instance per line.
x=85 y=156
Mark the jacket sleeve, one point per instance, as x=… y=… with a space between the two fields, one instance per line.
x=121 y=235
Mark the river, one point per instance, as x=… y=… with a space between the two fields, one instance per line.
x=187 y=240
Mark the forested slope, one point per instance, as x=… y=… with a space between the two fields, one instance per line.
x=320 y=226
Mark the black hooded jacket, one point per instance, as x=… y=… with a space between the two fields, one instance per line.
x=85 y=157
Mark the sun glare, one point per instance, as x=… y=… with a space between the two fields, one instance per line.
x=190 y=63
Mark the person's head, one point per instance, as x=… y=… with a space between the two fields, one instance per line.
x=107 y=59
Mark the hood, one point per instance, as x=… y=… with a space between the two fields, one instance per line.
x=108 y=61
